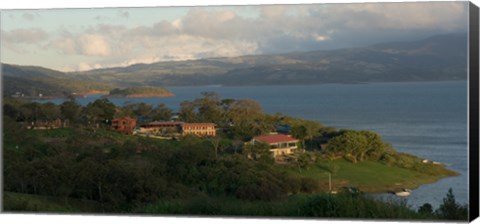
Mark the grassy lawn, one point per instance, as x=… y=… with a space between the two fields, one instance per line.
x=13 y=202
x=368 y=176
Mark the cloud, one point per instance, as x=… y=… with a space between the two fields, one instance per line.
x=24 y=36
x=225 y=32
x=94 y=45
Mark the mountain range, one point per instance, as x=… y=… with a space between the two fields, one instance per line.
x=440 y=57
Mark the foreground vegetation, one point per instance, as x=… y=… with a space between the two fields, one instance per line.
x=89 y=163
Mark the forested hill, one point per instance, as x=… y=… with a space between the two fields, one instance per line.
x=442 y=57
x=31 y=81
x=39 y=82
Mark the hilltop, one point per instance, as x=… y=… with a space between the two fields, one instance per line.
x=39 y=82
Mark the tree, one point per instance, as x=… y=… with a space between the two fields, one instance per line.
x=209 y=107
x=49 y=112
x=450 y=209
x=70 y=110
x=357 y=145
x=100 y=111
x=215 y=141
x=246 y=117
x=187 y=112
x=259 y=151
x=426 y=209
x=162 y=113
x=350 y=144
x=299 y=132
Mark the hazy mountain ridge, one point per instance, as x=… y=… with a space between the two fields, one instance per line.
x=442 y=57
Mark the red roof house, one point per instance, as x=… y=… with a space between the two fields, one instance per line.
x=279 y=144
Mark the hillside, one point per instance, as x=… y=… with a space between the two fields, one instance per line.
x=140 y=91
x=442 y=57
x=33 y=82
x=38 y=82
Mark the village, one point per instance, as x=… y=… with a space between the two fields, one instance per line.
x=279 y=144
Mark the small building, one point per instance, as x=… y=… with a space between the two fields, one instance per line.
x=168 y=128
x=162 y=127
x=52 y=124
x=124 y=125
x=279 y=144
x=199 y=129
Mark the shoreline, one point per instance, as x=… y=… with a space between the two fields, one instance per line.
x=140 y=95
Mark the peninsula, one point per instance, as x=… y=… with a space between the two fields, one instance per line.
x=139 y=92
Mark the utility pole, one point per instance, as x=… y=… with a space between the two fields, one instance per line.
x=329 y=182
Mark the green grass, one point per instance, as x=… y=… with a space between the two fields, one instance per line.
x=15 y=202
x=368 y=176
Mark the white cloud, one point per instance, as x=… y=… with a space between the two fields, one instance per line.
x=25 y=36
x=224 y=32
x=94 y=45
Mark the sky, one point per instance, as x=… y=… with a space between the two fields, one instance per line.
x=84 y=39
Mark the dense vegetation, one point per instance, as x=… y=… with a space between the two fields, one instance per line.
x=143 y=91
x=65 y=169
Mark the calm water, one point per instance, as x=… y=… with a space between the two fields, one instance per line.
x=428 y=119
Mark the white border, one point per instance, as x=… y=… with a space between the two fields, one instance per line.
x=73 y=219
x=43 y=4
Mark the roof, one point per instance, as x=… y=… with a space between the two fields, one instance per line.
x=165 y=123
x=270 y=139
x=123 y=119
x=198 y=124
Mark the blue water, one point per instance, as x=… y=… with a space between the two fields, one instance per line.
x=427 y=119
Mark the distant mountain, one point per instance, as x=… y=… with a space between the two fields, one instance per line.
x=442 y=57
x=31 y=81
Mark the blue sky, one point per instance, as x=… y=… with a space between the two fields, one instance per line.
x=83 y=39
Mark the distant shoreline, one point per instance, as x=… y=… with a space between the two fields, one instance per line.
x=140 y=95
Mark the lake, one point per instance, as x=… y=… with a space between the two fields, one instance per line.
x=427 y=119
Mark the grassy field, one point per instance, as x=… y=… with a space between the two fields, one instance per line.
x=13 y=202
x=368 y=176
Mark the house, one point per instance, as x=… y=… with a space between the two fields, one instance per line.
x=162 y=127
x=124 y=125
x=44 y=125
x=199 y=129
x=280 y=144
x=165 y=128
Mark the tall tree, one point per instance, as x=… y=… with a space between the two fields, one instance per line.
x=162 y=113
x=209 y=107
x=70 y=110
x=101 y=111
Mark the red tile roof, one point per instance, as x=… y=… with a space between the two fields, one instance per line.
x=165 y=123
x=270 y=139
x=124 y=119
x=198 y=125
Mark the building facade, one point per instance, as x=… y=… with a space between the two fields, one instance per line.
x=179 y=128
x=279 y=144
x=124 y=125
x=199 y=129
